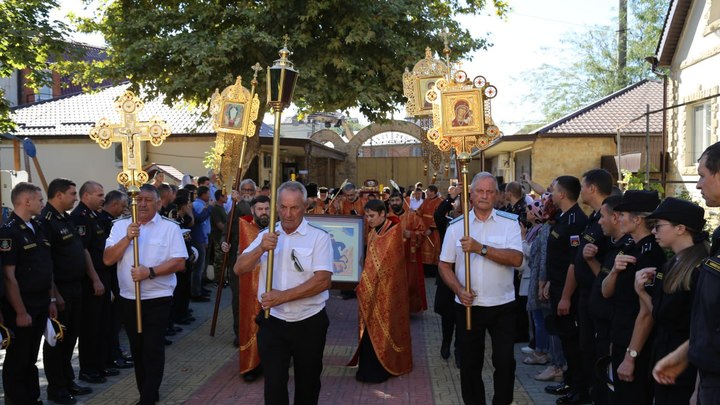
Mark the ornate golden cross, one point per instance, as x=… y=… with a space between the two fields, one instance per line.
x=131 y=133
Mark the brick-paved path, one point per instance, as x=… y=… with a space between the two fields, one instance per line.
x=203 y=369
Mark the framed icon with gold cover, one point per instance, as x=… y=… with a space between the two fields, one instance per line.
x=463 y=112
x=423 y=85
x=232 y=117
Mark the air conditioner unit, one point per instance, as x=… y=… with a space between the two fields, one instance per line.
x=9 y=179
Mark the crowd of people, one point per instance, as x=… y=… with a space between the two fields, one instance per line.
x=614 y=291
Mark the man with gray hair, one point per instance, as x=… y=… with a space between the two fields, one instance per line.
x=298 y=323
x=495 y=248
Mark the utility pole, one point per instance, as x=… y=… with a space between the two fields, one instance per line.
x=622 y=43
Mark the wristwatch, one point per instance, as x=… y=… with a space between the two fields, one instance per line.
x=632 y=353
x=152 y=273
x=483 y=250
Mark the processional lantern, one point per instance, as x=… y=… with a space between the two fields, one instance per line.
x=281 y=80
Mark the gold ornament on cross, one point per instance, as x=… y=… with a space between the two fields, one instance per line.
x=130 y=133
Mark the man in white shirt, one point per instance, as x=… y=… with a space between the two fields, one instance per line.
x=298 y=323
x=495 y=247
x=162 y=253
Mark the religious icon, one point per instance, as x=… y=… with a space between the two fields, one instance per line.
x=232 y=115
x=424 y=85
x=463 y=114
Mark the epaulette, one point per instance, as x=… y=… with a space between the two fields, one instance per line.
x=455 y=220
x=170 y=220
x=48 y=215
x=317 y=227
x=121 y=218
x=571 y=218
x=507 y=215
x=712 y=263
x=9 y=223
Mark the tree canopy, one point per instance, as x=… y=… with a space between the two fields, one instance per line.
x=348 y=53
x=591 y=71
x=28 y=39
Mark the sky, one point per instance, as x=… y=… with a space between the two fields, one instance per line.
x=529 y=36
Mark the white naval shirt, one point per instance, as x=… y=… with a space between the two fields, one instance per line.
x=313 y=250
x=492 y=282
x=160 y=240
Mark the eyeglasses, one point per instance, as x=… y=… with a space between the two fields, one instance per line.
x=296 y=262
x=658 y=226
x=249 y=190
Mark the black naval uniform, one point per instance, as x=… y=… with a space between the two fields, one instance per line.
x=704 y=352
x=601 y=309
x=28 y=250
x=68 y=256
x=585 y=279
x=626 y=308
x=562 y=248
x=92 y=347
x=671 y=313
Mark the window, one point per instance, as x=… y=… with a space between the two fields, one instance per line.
x=701 y=130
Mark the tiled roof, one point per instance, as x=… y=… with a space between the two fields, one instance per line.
x=75 y=115
x=603 y=117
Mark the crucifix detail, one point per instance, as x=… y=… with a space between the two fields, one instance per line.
x=130 y=133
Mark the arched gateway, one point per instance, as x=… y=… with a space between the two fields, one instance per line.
x=349 y=168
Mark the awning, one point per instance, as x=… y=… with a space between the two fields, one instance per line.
x=509 y=143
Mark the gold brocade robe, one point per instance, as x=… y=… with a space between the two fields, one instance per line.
x=248 y=305
x=411 y=222
x=430 y=248
x=347 y=207
x=383 y=302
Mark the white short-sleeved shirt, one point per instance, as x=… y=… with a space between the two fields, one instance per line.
x=160 y=240
x=492 y=282
x=314 y=252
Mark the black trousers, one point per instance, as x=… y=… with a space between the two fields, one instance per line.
x=708 y=389
x=97 y=321
x=148 y=347
x=19 y=373
x=58 y=360
x=500 y=322
x=181 y=295
x=569 y=333
x=304 y=342
x=587 y=345
x=113 y=333
x=637 y=392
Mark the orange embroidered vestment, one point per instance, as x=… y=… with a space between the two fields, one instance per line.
x=248 y=305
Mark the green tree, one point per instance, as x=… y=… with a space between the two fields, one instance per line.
x=348 y=53
x=28 y=40
x=591 y=71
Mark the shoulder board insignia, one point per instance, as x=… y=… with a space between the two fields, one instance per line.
x=589 y=238
x=571 y=218
x=317 y=227
x=712 y=263
x=459 y=218
x=555 y=234
x=659 y=275
x=5 y=245
x=170 y=220
x=507 y=215
x=646 y=247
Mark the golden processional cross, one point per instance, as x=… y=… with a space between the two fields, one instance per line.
x=131 y=133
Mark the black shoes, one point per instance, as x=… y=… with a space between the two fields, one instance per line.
x=559 y=389
x=122 y=363
x=61 y=397
x=76 y=390
x=92 y=378
x=109 y=372
x=574 y=398
x=253 y=374
x=445 y=350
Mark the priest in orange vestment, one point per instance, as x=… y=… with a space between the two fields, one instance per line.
x=431 y=244
x=348 y=203
x=413 y=229
x=249 y=228
x=385 y=348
